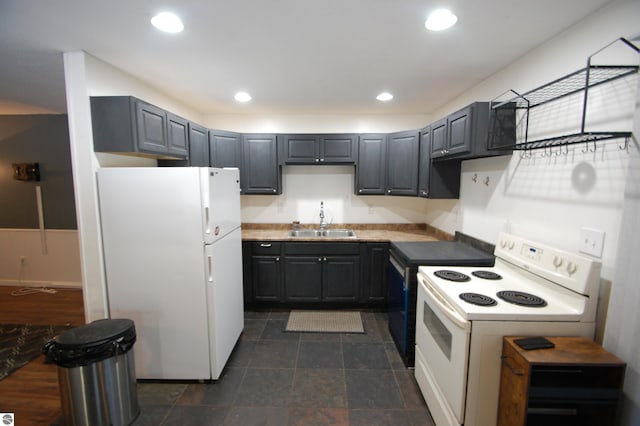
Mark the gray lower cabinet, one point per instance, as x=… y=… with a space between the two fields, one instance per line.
x=322 y=272
x=224 y=149
x=128 y=125
x=310 y=272
x=374 y=273
x=260 y=172
x=262 y=271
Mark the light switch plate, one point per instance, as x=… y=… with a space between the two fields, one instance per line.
x=591 y=241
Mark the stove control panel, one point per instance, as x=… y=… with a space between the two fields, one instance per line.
x=571 y=270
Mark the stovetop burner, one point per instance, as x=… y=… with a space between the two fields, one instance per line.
x=521 y=298
x=478 y=299
x=448 y=275
x=486 y=275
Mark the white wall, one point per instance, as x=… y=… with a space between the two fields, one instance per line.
x=305 y=186
x=550 y=196
x=52 y=261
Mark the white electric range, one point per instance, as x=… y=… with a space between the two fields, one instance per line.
x=463 y=313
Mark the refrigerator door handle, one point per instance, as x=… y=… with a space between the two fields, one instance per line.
x=210 y=268
x=207 y=221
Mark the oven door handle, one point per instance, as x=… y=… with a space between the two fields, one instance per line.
x=443 y=305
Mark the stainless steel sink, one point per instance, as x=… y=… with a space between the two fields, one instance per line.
x=327 y=233
x=338 y=233
x=305 y=233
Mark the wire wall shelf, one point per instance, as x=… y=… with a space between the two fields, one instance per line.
x=578 y=82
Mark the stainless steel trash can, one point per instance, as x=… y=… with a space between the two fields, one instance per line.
x=96 y=373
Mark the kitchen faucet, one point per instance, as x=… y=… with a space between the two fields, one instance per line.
x=323 y=223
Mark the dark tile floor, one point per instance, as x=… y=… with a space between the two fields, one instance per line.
x=280 y=378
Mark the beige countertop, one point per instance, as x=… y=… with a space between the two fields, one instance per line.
x=364 y=232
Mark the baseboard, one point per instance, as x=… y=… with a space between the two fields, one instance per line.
x=50 y=284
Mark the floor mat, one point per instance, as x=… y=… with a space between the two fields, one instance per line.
x=20 y=343
x=325 y=321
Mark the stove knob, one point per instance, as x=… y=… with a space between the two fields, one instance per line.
x=511 y=245
x=571 y=268
x=557 y=261
x=503 y=243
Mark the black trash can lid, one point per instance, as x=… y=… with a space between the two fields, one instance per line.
x=89 y=343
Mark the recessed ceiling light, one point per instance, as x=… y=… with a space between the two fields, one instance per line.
x=242 y=97
x=167 y=22
x=440 y=19
x=384 y=96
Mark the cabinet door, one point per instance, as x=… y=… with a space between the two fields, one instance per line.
x=224 y=149
x=178 y=135
x=151 y=128
x=301 y=149
x=374 y=279
x=198 y=146
x=338 y=148
x=260 y=171
x=370 y=172
x=438 y=138
x=402 y=163
x=303 y=278
x=424 y=162
x=266 y=281
x=341 y=278
x=459 y=131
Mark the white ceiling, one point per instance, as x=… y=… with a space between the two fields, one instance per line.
x=293 y=56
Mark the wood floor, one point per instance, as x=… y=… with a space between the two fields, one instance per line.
x=31 y=392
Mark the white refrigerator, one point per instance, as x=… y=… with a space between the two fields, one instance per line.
x=173 y=262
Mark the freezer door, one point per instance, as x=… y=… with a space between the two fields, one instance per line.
x=220 y=192
x=223 y=261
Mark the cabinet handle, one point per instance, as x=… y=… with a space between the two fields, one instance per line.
x=321 y=160
x=360 y=190
x=265 y=245
x=277 y=259
x=513 y=370
x=319 y=259
x=388 y=191
x=325 y=259
x=543 y=411
x=317 y=160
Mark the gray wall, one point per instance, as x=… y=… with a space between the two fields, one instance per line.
x=42 y=139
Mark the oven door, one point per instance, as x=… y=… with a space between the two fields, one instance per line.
x=442 y=340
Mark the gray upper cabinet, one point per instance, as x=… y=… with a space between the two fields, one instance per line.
x=337 y=149
x=177 y=134
x=436 y=179
x=370 y=171
x=260 y=172
x=318 y=149
x=464 y=134
x=224 y=149
x=127 y=125
x=198 y=146
x=402 y=163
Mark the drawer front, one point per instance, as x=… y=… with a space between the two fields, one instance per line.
x=323 y=248
x=267 y=247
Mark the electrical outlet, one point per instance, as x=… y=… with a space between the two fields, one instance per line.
x=591 y=241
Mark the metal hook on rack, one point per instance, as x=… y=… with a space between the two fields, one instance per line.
x=475 y=177
x=594 y=147
x=625 y=147
x=566 y=150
